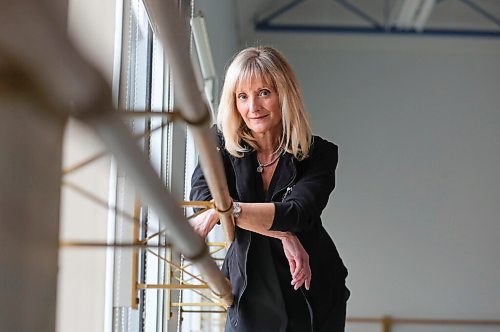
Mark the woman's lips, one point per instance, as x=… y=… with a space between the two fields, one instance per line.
x=259 y=117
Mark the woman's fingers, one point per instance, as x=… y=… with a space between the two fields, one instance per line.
x=291 y=263
x=298 y=260
x=302 y=266
x=299 y=267
x=302 y=277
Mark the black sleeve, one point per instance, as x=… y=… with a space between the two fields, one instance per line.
x=199 y=186
x=303 y=206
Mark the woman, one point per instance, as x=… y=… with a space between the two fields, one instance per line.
x=284 y=268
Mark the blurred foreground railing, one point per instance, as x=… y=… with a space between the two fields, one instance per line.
x=43 y=81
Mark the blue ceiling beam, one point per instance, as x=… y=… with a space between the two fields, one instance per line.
x=482 y=11
x=358 y=12
x=281 y=11
x=265 y=25
x=294 y=28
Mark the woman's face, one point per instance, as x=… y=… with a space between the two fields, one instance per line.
x=259 y=106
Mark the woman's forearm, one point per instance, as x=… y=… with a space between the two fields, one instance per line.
x=256 y=217
x=275 y=234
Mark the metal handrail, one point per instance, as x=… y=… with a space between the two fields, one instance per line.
x=167 y=25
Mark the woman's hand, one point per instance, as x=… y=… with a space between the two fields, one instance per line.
x=258 y=218
x=298 y=259
x=204 y=222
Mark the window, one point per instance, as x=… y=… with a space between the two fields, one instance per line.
x=146 y=85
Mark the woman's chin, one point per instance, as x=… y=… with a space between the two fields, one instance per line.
x=261 y=131
x=265 y=129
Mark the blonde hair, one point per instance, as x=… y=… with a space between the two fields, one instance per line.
x=269 y=65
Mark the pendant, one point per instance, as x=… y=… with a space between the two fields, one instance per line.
x=260 y=169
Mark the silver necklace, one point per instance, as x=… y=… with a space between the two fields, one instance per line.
x=261 y=166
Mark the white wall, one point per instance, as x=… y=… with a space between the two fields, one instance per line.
x=222 y=29
x=81 y=282
x=416 y=210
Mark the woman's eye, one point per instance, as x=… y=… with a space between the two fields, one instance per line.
x=264 y=93
x=242 y=97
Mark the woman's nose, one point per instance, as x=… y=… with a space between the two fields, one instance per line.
x=253 y=104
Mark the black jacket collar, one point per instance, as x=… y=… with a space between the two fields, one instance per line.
x=249 y=181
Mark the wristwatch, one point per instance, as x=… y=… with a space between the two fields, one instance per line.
x=236 y=209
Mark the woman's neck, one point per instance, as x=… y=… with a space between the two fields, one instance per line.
x=267 y=144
